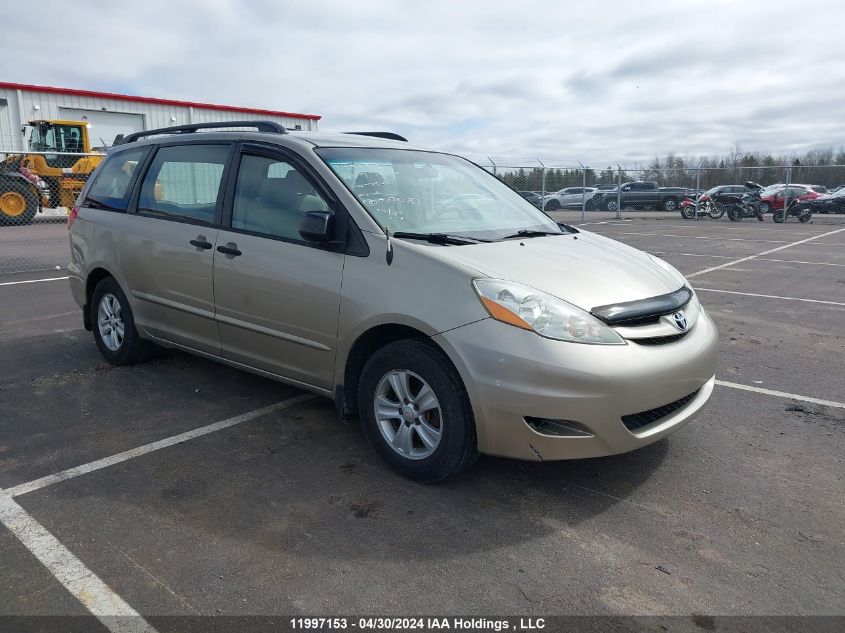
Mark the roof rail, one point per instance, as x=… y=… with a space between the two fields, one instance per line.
x=261 y=126
x=392 y=136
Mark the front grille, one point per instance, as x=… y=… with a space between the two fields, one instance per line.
x=644 y=418
x=659 y=340
x=645 y=320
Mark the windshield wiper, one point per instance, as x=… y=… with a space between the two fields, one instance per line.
x=530 y=233
x=438 y=238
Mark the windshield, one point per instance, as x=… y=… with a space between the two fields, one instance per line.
x=426 y=192
x=47 y=137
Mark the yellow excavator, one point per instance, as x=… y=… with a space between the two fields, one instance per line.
x=50 y=174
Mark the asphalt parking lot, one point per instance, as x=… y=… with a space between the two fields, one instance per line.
x=286 y=510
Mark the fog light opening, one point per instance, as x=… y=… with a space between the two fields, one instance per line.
x=557 y=428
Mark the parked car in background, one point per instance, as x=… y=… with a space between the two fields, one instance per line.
x=639 y=195
x=569 y=198
x=533 y=197
x=833 y=202
x=774 y=196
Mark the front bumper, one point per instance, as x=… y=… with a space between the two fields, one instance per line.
x=511 y=374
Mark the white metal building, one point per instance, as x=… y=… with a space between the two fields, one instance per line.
x=110 y=114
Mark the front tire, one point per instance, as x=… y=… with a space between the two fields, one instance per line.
x=114 y=325
x=765 y=208
x=778 y=216
x=670 y=204
x=611 y=205
x=734 y=215
x=552 y=205
x=416 y=413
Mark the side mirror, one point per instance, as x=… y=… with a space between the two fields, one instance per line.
x=316 y=226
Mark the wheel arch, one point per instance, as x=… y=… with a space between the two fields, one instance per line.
x=94 y=277
x=365 y=345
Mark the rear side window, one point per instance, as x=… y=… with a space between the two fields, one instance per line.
x=184 y=182
x=113 y=182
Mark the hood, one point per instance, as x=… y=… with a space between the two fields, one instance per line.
x=586 y=269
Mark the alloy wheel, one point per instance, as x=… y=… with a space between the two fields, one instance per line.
x=110 y=322
x=408 y=414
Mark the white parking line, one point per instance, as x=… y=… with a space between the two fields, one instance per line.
x=702 y=237
x=70 y=473
x=617 y=222
x=32 y=281
x=762 y=259
x=768 y=252
x=722 y=227
x=781 y=394
x=754 y=294
x=798 y=261
x=115 y=614
x=690 y=255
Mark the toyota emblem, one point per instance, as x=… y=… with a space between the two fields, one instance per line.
x=680 y=320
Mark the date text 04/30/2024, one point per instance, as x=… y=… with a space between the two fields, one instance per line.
x=419 y=624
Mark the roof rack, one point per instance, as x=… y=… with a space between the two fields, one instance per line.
x=392 y=136
x=261 y=126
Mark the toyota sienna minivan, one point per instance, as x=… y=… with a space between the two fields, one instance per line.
x=420 y=293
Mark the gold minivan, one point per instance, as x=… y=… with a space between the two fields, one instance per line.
x=419 y=292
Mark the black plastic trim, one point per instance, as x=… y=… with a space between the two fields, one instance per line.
x=643 y=310
x=391 y=136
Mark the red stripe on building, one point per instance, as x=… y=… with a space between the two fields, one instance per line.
x=155 y=100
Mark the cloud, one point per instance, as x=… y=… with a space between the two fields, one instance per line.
x=600 y=82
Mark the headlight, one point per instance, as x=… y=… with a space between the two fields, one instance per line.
x=530 y=309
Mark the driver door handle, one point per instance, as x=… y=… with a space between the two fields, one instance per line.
x=201 y=243
x=230 y=250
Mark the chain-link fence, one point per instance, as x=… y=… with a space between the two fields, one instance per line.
x=691 y=192
x=36 y=191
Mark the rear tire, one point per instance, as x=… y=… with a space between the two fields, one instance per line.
x=778 y=216
x=114 y=326
x=18 y=205
x=734 y=215
x=552 y=205
x=611 y=205
x=670 y=204
x=408 y=439
x=764 y=207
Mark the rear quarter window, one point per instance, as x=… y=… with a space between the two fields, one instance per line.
x=113 y=182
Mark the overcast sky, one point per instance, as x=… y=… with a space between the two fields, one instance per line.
x=598 y=81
